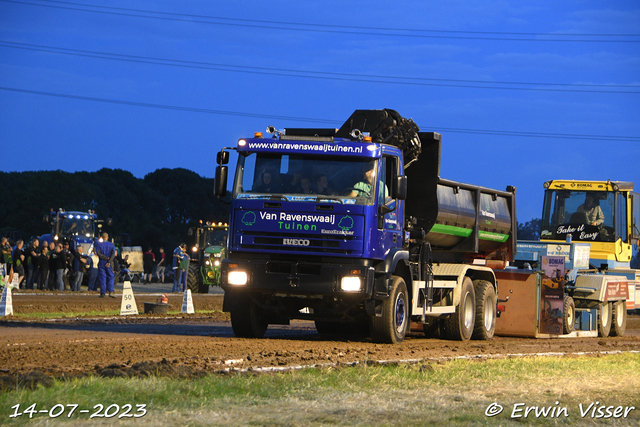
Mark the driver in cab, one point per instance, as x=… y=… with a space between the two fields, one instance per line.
x=591 y=208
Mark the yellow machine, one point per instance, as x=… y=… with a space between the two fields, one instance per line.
x=605 y=214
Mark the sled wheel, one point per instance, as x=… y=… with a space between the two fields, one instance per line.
x=568 y=315
x=604 y=320
x=619 y=322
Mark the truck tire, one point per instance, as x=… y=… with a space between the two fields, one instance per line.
x=459 y=326
x=485 y=319
x=247 y=320
x=326 y=328
x=194 y=280
x=568 y=315
x=392 y=326
x=432 y=328
x=619 y=322
x=604 y=319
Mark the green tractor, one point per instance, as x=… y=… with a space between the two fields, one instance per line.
x=209 y=249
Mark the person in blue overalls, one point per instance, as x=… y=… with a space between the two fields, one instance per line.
x=106 y=252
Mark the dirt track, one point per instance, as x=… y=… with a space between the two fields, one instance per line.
x=188 y=345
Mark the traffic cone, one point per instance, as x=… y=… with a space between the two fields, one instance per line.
x=187 y=303
x=6 y=302
x=128 y=306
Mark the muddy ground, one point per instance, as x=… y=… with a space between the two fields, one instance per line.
x=191 y=345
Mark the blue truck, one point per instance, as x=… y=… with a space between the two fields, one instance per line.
x=354 y=229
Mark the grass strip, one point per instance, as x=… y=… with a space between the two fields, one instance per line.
x=457 y=393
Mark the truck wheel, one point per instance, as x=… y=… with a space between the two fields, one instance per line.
x=432 y=328
x=604 y=319
x=326 y=328
x=485 y=322
x=459 y=326
x=194 y=280
x=568 y=315
x=619 y=322
x=247 y=320
x=392 y=326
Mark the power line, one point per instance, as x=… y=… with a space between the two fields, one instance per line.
x=323 y=28
x=416 y=81
x=610 y=138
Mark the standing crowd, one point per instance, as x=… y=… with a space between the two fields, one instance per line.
x=48 y=266
x=56 y=266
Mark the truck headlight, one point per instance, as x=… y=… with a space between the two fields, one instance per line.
x=351 y=284
x=238 y=278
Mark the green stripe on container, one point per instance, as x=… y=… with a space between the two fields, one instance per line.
x=450 y=229
x=494 y=237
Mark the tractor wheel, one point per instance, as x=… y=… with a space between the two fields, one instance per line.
x=619 y=322
x=247 y=320
x=568 y=315
x=459 y=326
x=392 y=326
x=604 y=319
x=485 y=324
x=194 y=280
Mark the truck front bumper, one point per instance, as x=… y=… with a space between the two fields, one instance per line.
x=297 y=277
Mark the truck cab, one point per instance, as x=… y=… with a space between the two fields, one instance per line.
x=605 y=214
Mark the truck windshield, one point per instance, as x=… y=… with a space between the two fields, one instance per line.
x=75 y=225
x=305 y=178
x=585 y=215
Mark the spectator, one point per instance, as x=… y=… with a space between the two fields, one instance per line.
x=79 y=263
x=68 y=265
x=18 y=261
x=32 y=253
x=6 y=255
x=148 y=259
x=106 y=253
x=43 y=268
x=93 y=275
x=59 y=264
x=184 y=266
x=161 y=266
x=51 y=284
x=178 y=255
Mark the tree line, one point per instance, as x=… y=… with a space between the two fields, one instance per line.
x=156 y=211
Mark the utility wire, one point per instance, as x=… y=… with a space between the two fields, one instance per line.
x=416 y=81
x=608 y=138
x=322 y=28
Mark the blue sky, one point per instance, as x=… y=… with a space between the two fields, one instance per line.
x=522 y=92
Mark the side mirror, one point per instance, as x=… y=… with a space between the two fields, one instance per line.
x=220 y=181
x=399 y=190
x=222 y=157
x=387 y=207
